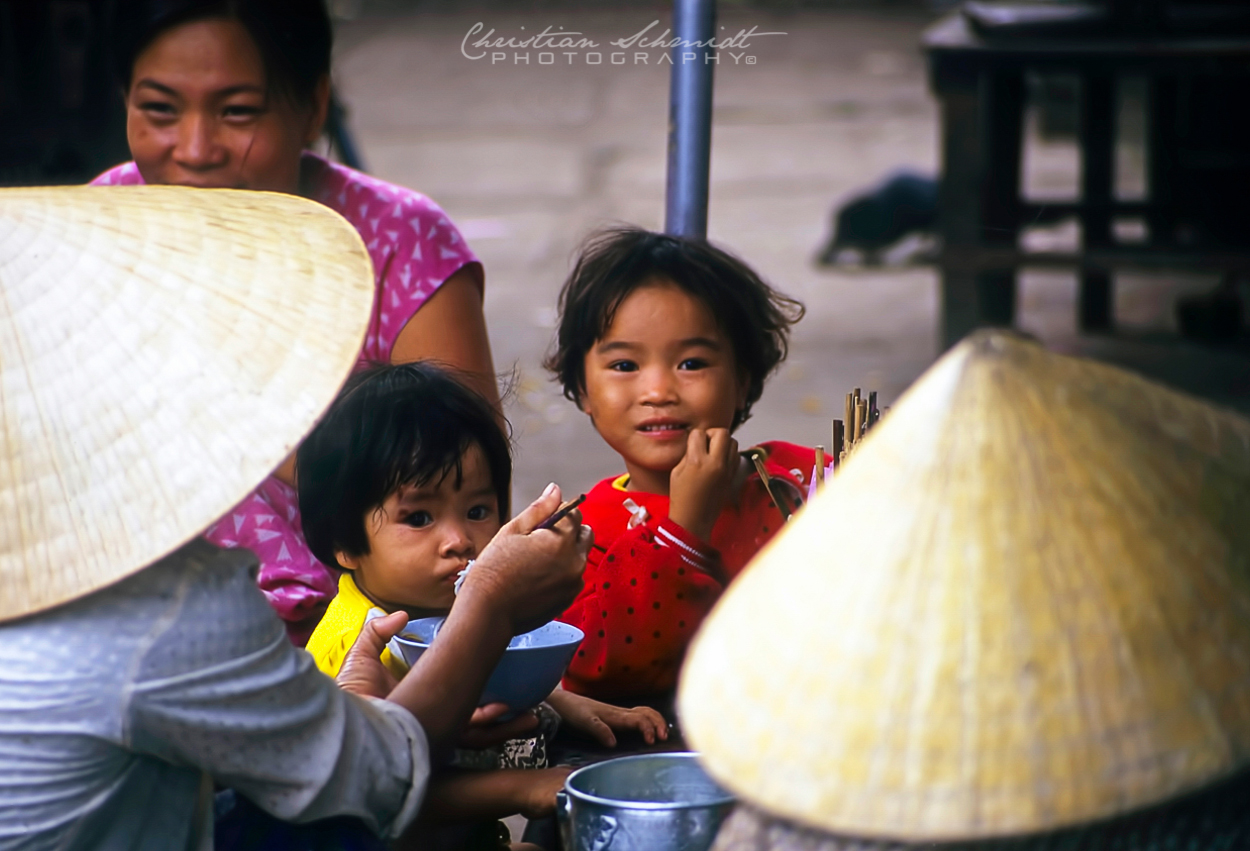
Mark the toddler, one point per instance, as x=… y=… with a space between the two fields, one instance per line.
x=403 y=482
x=665 y=343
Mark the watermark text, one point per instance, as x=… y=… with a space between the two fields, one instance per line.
x=574 y=47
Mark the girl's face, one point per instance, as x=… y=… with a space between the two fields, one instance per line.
x=662 y=368
x=421 y=537
x=199 y=112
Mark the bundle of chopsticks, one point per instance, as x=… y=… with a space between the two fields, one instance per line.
x=861 y=415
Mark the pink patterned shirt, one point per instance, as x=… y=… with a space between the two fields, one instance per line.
x=415 y=248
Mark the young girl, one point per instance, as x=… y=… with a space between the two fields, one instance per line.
x=402 y=484
x=665 y=343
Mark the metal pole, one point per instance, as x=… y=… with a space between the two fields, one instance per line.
x=690 y=118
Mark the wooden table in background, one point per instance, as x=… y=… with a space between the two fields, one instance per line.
x=1196 y=213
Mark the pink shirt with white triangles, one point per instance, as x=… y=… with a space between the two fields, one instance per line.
x=415 y=248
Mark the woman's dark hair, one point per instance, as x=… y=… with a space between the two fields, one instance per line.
x=293 y=36
x=391 y=426
x=615 y=262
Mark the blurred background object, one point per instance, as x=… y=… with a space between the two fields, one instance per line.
x=61 y=118
x=339 y=134
x=1191 y=61
x=528 y=158
x=690 y=119
x=904 y=204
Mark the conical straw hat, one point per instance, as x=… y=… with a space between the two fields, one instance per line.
x=161 y=351
x=1024 y=603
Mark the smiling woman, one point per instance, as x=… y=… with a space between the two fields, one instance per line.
x=231 y=93
x=199 y=112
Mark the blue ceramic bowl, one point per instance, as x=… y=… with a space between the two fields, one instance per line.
x=530 y=669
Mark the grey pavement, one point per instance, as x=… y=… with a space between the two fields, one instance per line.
x=529 y=158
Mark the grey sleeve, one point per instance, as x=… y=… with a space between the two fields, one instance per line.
x=220 y=688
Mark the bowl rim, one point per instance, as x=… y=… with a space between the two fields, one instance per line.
x=619 y=803
x=576 y=638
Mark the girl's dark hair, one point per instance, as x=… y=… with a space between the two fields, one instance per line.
x=293 y=36
x=615 y=262
x=391 y=426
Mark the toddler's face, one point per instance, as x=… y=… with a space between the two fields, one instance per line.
x=662 y=368
x=422 y=537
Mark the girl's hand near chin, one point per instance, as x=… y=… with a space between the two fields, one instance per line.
x=602 y=721
x=700 y=484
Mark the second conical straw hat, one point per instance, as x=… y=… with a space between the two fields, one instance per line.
x=1024 y=603
x=161 y=351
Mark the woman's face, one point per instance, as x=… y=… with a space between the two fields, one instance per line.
x=199 y=112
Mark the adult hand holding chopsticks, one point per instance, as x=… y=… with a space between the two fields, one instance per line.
x=539 y=568
x=701 y=482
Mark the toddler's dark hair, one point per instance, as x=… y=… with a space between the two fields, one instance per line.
x=391 y=426
x=615 y=262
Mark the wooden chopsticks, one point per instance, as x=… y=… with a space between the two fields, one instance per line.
x=860 y=415
x=757 y=458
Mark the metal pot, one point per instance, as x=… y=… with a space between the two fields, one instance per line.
x=653 y=802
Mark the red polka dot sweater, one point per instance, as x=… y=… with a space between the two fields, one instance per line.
x=649 y=583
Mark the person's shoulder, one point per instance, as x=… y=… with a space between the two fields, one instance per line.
x=339 y=627
x=360 y=197
x=597 y=509
x=396 y=223
x=135 y=614
x=329 y=643
x=609 y=489
x=611 y=510
x=219 y=613
x=126 y=174
x=206 y=568
x=612 y=493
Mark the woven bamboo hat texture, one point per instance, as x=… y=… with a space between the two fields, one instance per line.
x=1023 y=603
x=161 y=351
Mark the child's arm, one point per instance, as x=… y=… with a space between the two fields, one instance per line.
x=602 y=720
x=456 y=795
x=647 y=589
x=643 y=598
